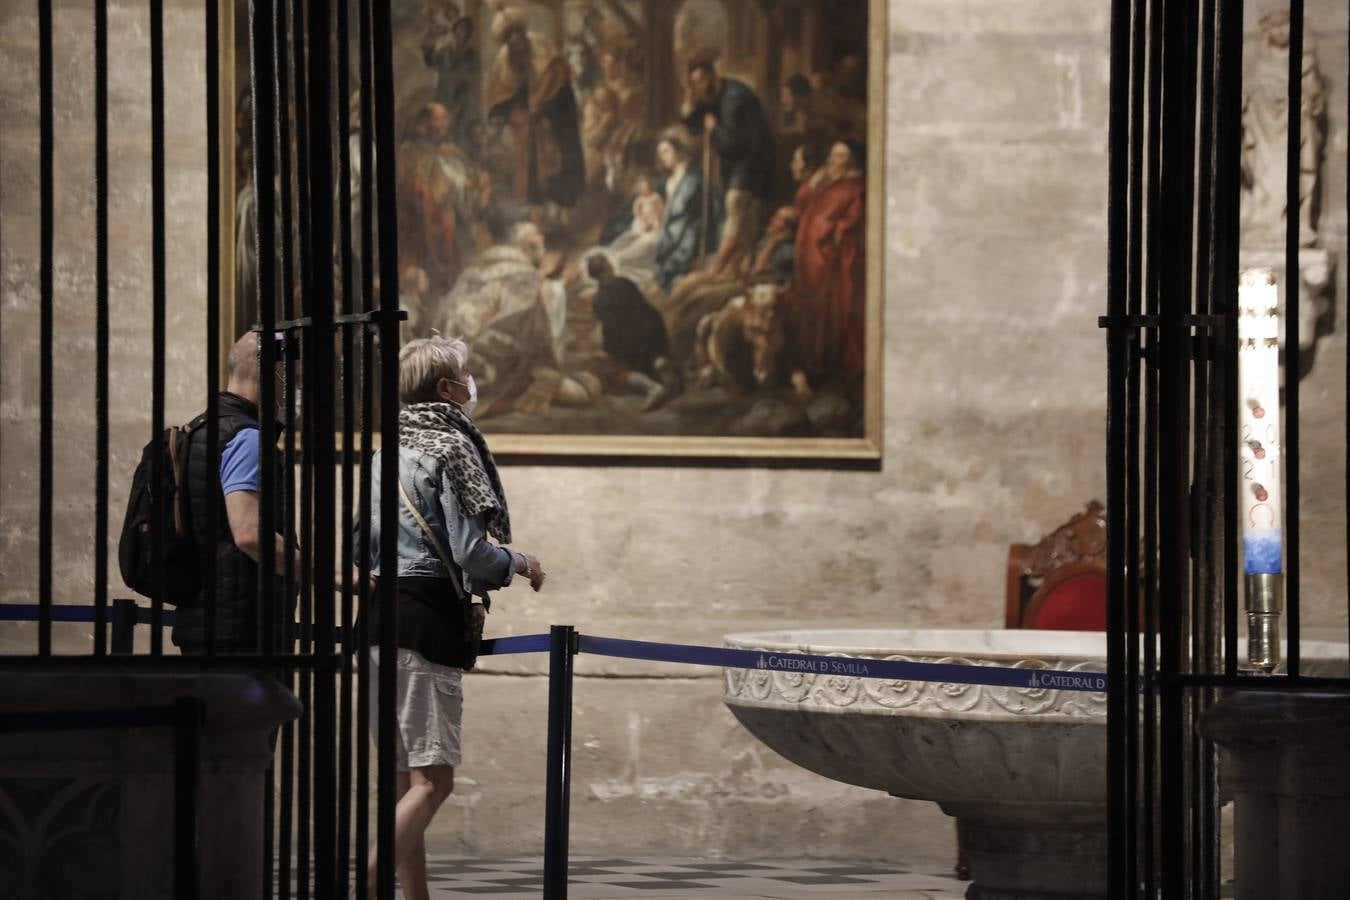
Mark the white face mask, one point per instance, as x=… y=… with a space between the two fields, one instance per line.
x=469 y=405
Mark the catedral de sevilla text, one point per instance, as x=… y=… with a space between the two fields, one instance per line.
x=1068 y=680
x=1035 y=679
x=814 y=666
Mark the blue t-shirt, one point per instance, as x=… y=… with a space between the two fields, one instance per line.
x=240 y=463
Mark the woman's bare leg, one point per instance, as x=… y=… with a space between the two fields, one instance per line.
x=420 y=793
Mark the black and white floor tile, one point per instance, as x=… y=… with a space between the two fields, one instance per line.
x=593 y=878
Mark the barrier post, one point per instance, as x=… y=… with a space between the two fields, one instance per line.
x=562 y=649
x=187 y=722
x=123 y=625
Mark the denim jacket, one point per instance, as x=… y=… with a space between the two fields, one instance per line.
x=485 y=566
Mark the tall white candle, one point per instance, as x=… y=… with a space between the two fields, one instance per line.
x=1259 y=422
x=1259 y=463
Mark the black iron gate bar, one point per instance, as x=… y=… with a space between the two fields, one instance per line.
x=1171 y=458
x=1175 y=142
x=290 y=63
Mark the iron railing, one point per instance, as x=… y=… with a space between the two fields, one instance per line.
x=1172 y=450
x=334 y=323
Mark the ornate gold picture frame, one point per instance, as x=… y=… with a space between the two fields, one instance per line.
x=658 y=224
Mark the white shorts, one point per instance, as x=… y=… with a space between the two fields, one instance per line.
x=429 y=706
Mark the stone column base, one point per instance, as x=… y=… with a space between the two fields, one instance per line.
x=87 y=814
x=1284 y=763
x=1033 y=851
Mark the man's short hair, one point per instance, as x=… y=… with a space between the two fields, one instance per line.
x=424 y=362
x=245 y=358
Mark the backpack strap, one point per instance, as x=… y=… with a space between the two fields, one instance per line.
x=176 y=462
x=433 y=540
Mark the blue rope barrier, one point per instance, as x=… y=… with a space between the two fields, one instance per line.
x=525 y=643
x=854 y=666
x=29 y=612
x=720 y=657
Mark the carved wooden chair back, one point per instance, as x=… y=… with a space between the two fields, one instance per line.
x=1060 y=581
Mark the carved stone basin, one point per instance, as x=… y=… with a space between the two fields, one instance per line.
x=1022 y=770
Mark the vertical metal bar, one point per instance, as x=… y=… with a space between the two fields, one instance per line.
x=1128 y=882
x=1292 y=354
x=1228 y=81
x=261 y=81
x=1177 y=202
x=265 y=120
x=158 y=294
x=367 y=208
x=298 y=66
x=123 y=625
x=345 y=733
x=319 y=373
x=557 y=797
x=46 y=224
x=1204 y=872
x=269 y=828
x=305 y=740
x=292 y=833
x=212 y=309
x=187 y=720
x=1149 y=754
x=1117 y=350
x=101 y=327
x=287 y=816
x=1199 y=528
x=281 y=56
x=383 y=78
x=295 y=765
x=297 y=304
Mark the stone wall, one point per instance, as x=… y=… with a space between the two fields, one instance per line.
x=994 y=424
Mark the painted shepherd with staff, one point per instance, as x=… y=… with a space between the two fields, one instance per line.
x=729 y=117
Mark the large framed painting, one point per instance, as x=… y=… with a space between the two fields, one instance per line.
x=657 y=223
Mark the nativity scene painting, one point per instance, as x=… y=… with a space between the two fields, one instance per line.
x=648 y=219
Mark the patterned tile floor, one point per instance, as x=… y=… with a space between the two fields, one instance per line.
x=594 y=878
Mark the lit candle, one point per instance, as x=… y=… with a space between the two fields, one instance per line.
x=1259 y=463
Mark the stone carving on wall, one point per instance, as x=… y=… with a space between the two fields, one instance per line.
x=872 y=694
x=1265 y=136
x=58 y=838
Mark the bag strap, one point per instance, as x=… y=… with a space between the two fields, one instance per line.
x=176 y=465
x=433 y=540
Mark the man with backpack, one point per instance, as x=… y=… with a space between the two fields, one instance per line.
x=234 y=483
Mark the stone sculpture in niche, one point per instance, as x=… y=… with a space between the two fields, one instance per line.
x=1265 y=136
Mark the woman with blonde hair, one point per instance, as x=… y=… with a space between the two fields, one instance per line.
x=450 y=501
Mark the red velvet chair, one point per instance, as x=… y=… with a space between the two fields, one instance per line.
x=1057 y=583
x=1060 y=581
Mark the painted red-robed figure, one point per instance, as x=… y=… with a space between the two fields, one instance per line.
x=827 y=313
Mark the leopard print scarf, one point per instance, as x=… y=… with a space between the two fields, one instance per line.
x=443 y=430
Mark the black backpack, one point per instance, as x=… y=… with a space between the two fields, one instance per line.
x=135 y=549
